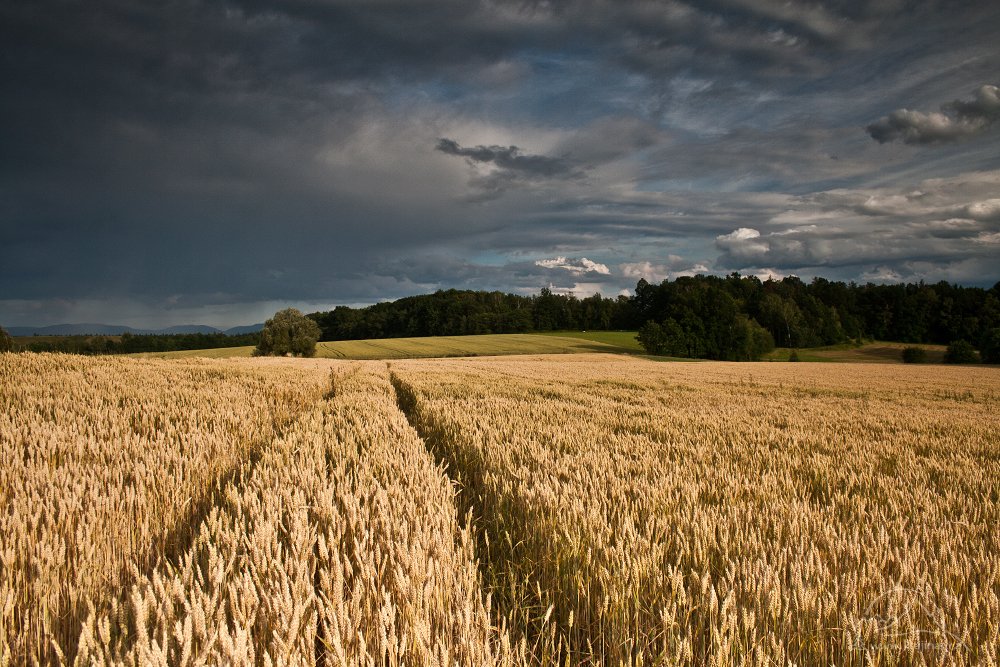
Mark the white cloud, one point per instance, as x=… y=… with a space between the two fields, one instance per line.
x=984 y=210
x=881 y=274
x=692 y=271
x=741 y=234
x=674 y=267
x=577 y=267
x=743 y=244
x=770 y=274
x=647 y=271
x=579 y=290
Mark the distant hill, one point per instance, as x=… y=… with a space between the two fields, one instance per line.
x=246 y=329
x=118 y=329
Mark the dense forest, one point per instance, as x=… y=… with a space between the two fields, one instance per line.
x=731 y=317
x=460 y=312
x=821 y=312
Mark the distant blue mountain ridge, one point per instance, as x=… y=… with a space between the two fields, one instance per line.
x=118 y=329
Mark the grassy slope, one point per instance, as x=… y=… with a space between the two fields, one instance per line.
x=447 y=346
x=625 y=340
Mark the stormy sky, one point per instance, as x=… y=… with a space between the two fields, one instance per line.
x=194 y=161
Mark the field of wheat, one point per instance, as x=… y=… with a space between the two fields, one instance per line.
x=520 y=511
x=728 y=513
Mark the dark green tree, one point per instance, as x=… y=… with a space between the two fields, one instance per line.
x=652 y=337
x=960 y=352
x=989 y=348
x=6 y=342
x=289 y=332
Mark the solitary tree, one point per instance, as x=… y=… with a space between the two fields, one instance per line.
x=288 y=332
x=6 y=342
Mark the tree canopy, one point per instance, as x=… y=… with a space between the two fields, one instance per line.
x=289 y=332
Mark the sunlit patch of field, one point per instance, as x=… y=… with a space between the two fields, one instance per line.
x=443 y=346
x=212 y=353
x=624 y=340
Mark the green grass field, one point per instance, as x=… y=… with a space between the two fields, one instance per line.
x=620 y=342
x=557 y=342
x=624 y=340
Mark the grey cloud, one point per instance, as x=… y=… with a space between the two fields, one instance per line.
x=877 y=231
x=985 y=105
x=510 y=167
x=917 y=127
x=987 y=210
x=611 y=138
x=952 y=228
x=510 y=158
x=956 y=120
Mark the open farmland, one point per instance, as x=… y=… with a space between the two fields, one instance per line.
x=446 y=346
x=579 y=509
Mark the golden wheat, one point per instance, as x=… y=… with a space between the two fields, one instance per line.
x=557 y=511
x=729 y=513
x=106 y=463
x=343 y=546
x=335 y=541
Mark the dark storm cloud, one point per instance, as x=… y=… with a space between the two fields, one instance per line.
x=956 y=120
x=510 y=158
x=199 y=157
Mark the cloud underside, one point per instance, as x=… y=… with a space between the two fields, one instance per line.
x=957 y=120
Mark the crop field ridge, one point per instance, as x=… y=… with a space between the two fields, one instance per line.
x=503 y=543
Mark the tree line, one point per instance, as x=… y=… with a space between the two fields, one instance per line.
x=462 y=312
x=715 y=317
x=129 y=343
